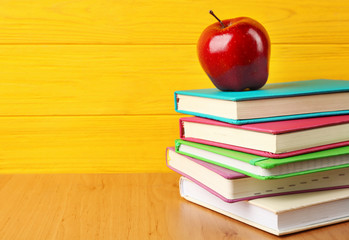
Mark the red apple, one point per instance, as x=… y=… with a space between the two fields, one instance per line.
x=235 y=54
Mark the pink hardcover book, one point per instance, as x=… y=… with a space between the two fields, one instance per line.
x=231 y=186
x=323 y=133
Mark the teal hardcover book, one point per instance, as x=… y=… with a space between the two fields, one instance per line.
x=273 y=102
x=264 y=167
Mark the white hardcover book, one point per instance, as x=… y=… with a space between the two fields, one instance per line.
x=278 y=215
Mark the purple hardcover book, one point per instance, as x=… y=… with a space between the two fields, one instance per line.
x=232 y=186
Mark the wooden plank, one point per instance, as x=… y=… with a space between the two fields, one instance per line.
x=86 y=144
x=166 y=22
x=119 y=206
x=118 y=80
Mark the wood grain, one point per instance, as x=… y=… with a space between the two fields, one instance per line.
x=128 y=80
x=166 y=22
x=118 y=206
x=83 y=82
x=86 y=144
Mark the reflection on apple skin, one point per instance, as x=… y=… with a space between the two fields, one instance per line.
x=220 y=43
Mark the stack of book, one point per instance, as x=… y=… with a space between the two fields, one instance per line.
x=276 y=158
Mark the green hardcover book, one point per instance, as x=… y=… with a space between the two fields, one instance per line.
x=264 y=167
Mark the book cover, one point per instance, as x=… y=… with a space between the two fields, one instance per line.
x=275 y=90
x=231 y=186
x=270 y=91
x=264 y=167
x=223 y=172
x=275 y=128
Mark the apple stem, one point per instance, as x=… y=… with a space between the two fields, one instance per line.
x=211 y=12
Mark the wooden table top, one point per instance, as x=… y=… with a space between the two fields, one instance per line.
x=118 y=206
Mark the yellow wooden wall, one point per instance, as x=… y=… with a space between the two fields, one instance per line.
x=87 y=85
